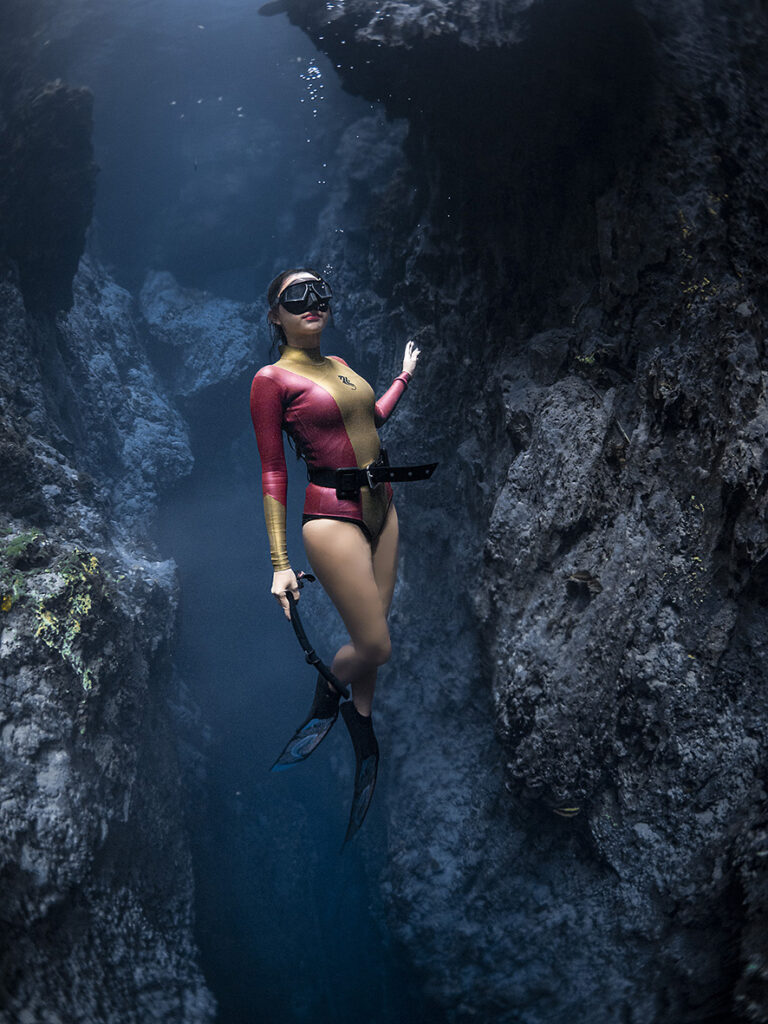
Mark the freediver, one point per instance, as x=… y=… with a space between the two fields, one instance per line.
x=350 y=526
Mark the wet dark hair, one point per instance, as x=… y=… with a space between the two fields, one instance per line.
x=275 y=287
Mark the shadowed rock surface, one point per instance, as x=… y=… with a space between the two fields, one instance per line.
x=97 y=887
x=96 y=884
x=581 y=240
x=577 y=239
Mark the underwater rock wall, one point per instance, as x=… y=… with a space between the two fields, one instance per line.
x=96 y=884
x=578 y=242
x=580 y=246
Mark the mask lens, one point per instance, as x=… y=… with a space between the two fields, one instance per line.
x=294 y=292
x=297 y=305
x=304 y=295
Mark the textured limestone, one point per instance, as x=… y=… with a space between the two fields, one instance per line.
x=96 y=890
x=122 y=422
x=209 y=340
x=96 y=874
x=580 y=244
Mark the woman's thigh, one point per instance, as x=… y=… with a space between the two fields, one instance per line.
x=385 y=553
x=341 y=558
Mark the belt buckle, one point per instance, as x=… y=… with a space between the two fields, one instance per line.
x=346 y=484
x=369 y=476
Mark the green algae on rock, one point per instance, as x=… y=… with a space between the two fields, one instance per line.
x=62 y=617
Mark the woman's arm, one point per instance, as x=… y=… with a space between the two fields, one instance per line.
x=267 y=416
x=388 y=401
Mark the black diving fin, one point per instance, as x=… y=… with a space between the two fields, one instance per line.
x=313 y=730
x=366 y=768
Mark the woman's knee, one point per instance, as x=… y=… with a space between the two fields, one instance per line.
x=377 y=652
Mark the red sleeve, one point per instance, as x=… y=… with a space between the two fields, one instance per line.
x=267 y=416
x=386 y=404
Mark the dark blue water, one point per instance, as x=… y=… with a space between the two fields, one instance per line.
x=216 y=131
x=290 y=928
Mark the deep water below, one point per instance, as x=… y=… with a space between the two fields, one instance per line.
x=290 y=928
x=215 y=132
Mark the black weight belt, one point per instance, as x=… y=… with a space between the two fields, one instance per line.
x=348 y=480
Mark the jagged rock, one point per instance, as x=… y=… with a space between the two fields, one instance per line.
x=578 y=244
x=125 y=427
x=209 y=340
x=582 y=256
x=89 y=781
x=96 y=878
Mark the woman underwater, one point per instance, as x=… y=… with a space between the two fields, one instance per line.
x=350 y=527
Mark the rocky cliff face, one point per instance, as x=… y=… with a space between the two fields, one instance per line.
x=96 y=887
x=577 y=238
x=580 y=239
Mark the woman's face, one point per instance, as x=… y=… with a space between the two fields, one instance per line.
x=301 y=329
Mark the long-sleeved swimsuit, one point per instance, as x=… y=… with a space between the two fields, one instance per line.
x=331 y=414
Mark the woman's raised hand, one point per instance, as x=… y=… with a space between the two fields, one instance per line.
x=411 y=357
x=282 y=581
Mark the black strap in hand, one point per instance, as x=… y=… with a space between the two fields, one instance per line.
x=311 y=655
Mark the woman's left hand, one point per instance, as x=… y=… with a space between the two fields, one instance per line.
x=411 y=357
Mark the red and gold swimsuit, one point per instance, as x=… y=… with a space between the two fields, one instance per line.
x=331 y=413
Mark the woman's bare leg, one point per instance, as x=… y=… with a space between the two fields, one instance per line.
x=360 y=580
x=385 y=554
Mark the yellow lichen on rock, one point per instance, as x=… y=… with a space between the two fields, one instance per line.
x=61 y=617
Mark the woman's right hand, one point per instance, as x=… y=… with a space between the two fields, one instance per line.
x=411 y=357
x=282 y=581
